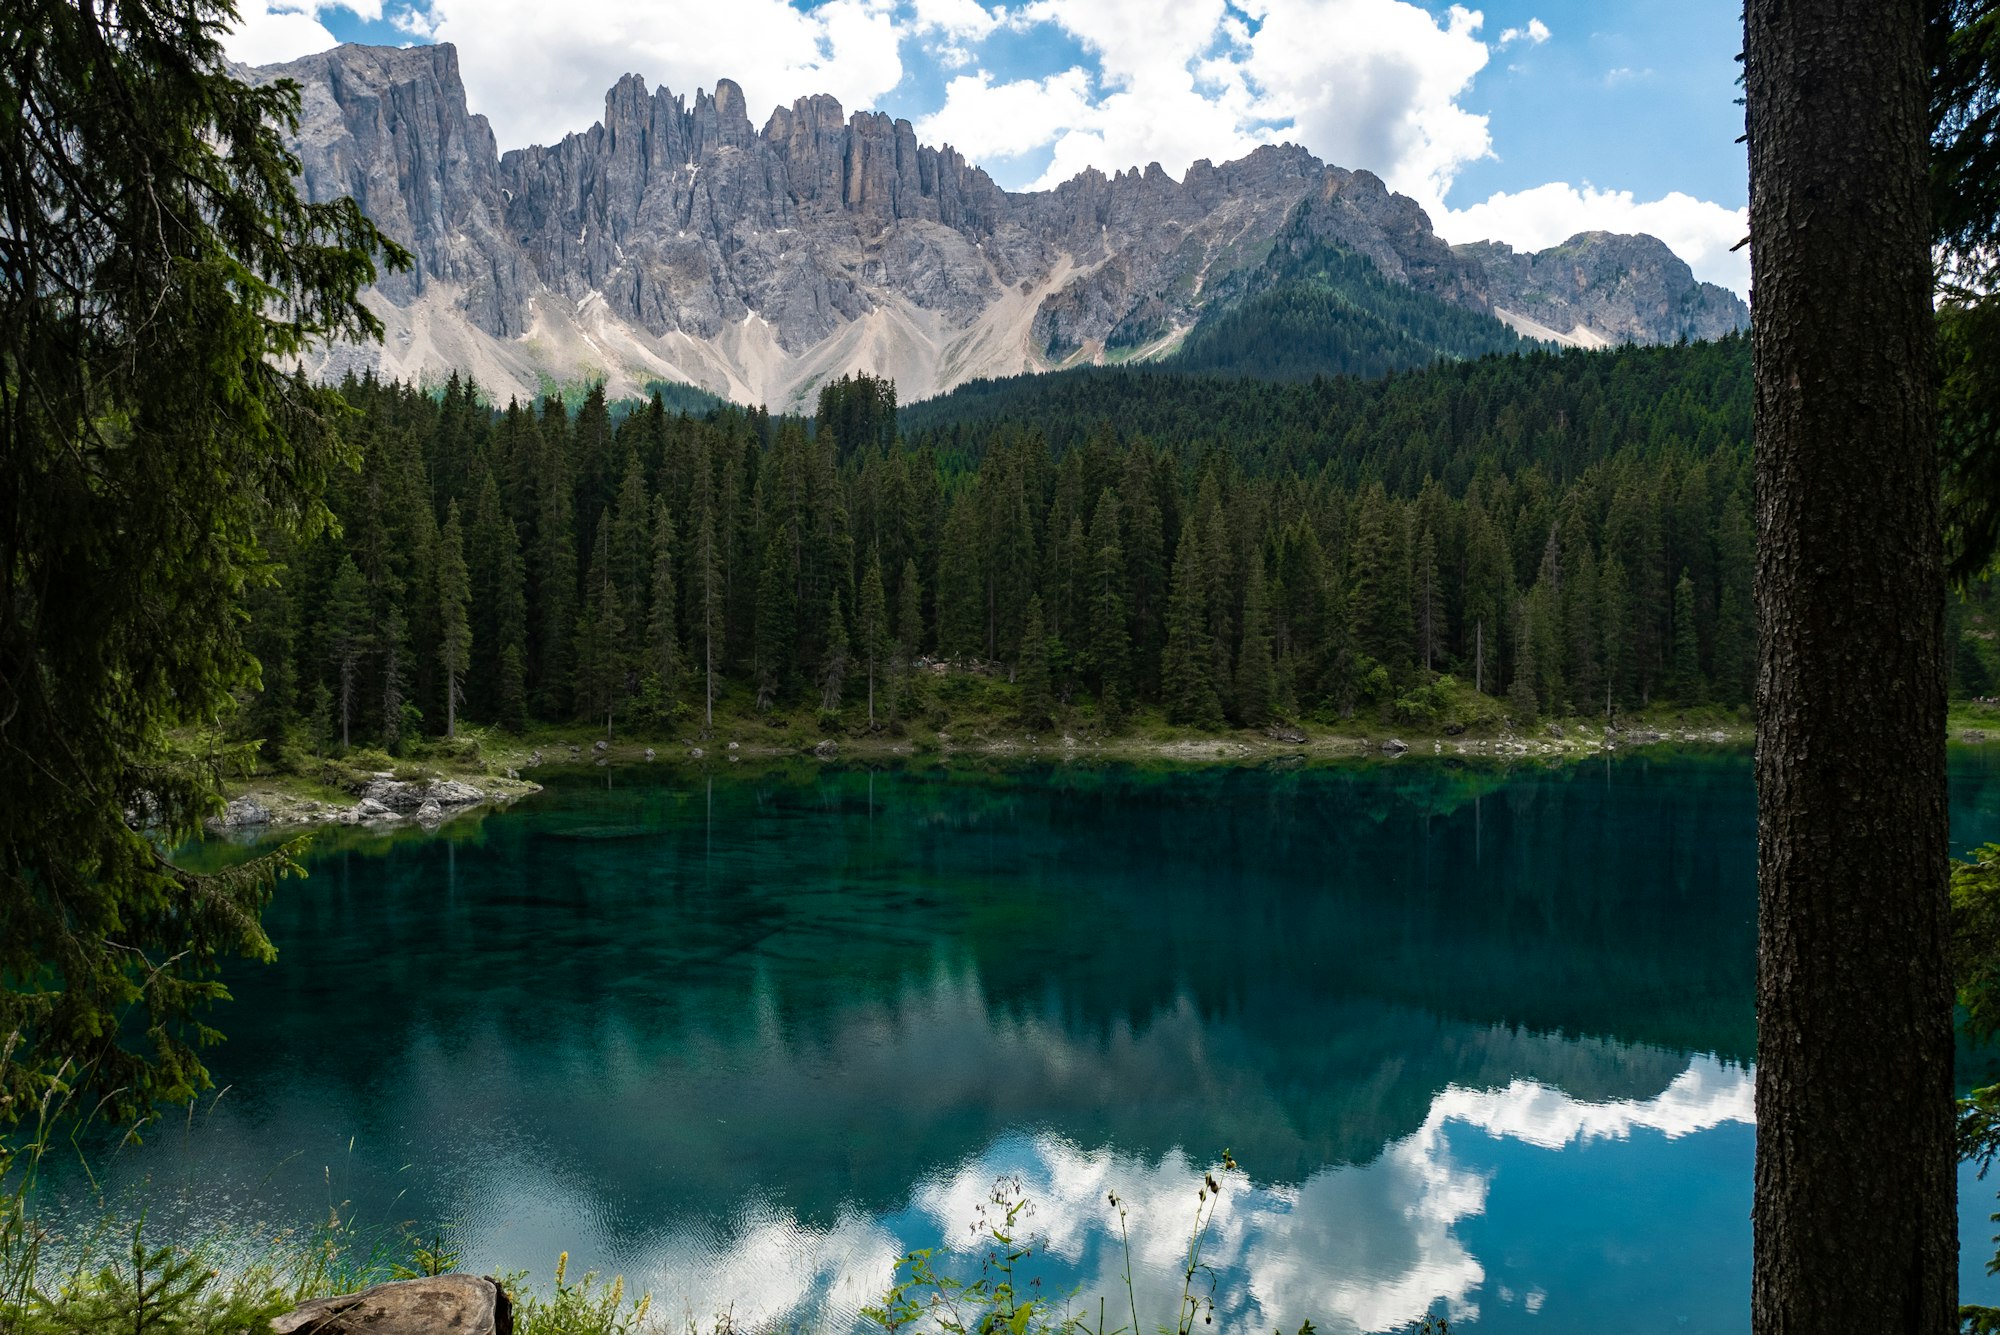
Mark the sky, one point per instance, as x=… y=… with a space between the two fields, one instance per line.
x=1523 y=121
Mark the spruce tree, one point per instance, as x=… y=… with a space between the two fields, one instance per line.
x=1185 y=687
x=662 y=656
x=1037 y=704
x=1687 y=649
x=1256 y=682
x=834 y=664
x=871 y=624
x=345 y=633
x=454 y=594
x=600 y=641
x=1617 y=647
x=396 y=708
x=1522 y=702
x=910 y=613
x=553 y=571
x=1108 y=652
x=776 y=623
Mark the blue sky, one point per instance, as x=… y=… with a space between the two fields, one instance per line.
x=1522 y=120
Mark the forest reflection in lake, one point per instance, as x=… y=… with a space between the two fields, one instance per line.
x=1480 y=1038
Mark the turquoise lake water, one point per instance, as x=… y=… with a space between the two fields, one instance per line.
x=1480 y=1039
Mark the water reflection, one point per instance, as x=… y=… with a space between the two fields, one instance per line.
x=1358 y=1247
x=1479 y=1038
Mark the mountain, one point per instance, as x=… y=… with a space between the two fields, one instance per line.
x=675 y=241
x=1599 y=288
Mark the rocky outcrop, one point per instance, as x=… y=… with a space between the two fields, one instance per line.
x=390 y=127
x=444 y=1305
x=1599 y=288
x=676 y=240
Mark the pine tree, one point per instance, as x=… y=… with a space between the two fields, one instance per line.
x=1429 y=610
x=345 y=632
x=600 y=641
x=1037 y=708
x=1184 y=681
x=1521 y=699
x=1686 y=684
x=776 y=623
x=909 y=636
x=397 y=710
x=1256 y=682
x=454 y=593
x=554 y=582
x=708 y=603
x=1617 y=647
x=833 y=666
x=871 y=624
x=910 y=613
x=632 y=547
x=960 y=605
x=662 y=656
x=1108 y=653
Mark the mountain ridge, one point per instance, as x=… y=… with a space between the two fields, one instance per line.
x=673 y=240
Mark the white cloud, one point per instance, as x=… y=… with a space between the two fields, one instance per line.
x=539 y=71
x=264 y=35
x=1375 y=84
x=1698 y=230
x=985 y=120
x=1534 y=34
x=1372 y=83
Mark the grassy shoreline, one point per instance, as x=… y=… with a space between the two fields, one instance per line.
x=977 y=719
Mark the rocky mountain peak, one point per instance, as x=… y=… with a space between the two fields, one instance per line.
x=674 y=240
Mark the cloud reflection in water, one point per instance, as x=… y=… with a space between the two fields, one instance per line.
x=1354 y=1247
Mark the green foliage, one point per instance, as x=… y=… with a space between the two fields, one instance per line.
x=580 y=1307
x=1312 y=309
x=157 y=1291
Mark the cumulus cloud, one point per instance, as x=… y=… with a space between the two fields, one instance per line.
x=1372 y=83
x=1375 y=84
x=267 y=33
x=986 y=120
x=1698 y=230
x=539 y=71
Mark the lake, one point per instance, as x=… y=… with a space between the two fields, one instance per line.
x=1479 y=1038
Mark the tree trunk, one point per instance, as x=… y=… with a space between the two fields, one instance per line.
x=1855 y=1220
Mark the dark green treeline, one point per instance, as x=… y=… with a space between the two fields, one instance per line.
x=1571 y=533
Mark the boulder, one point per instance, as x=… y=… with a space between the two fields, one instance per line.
x=241 y=812
x=696 y=752
x=1286 y=732
x=600 y=746
x=827 y=749
x=1454 y=729
x=369 y=808
x=395 y=795
x=430 y=813
x=1395 y=746
x=452 y=793
x=1971 y=737
x=651 y=754
x=444 y=1305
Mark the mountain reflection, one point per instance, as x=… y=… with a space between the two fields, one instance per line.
x=747 y=1038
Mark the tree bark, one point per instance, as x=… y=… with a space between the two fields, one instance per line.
x=1855 y=1219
